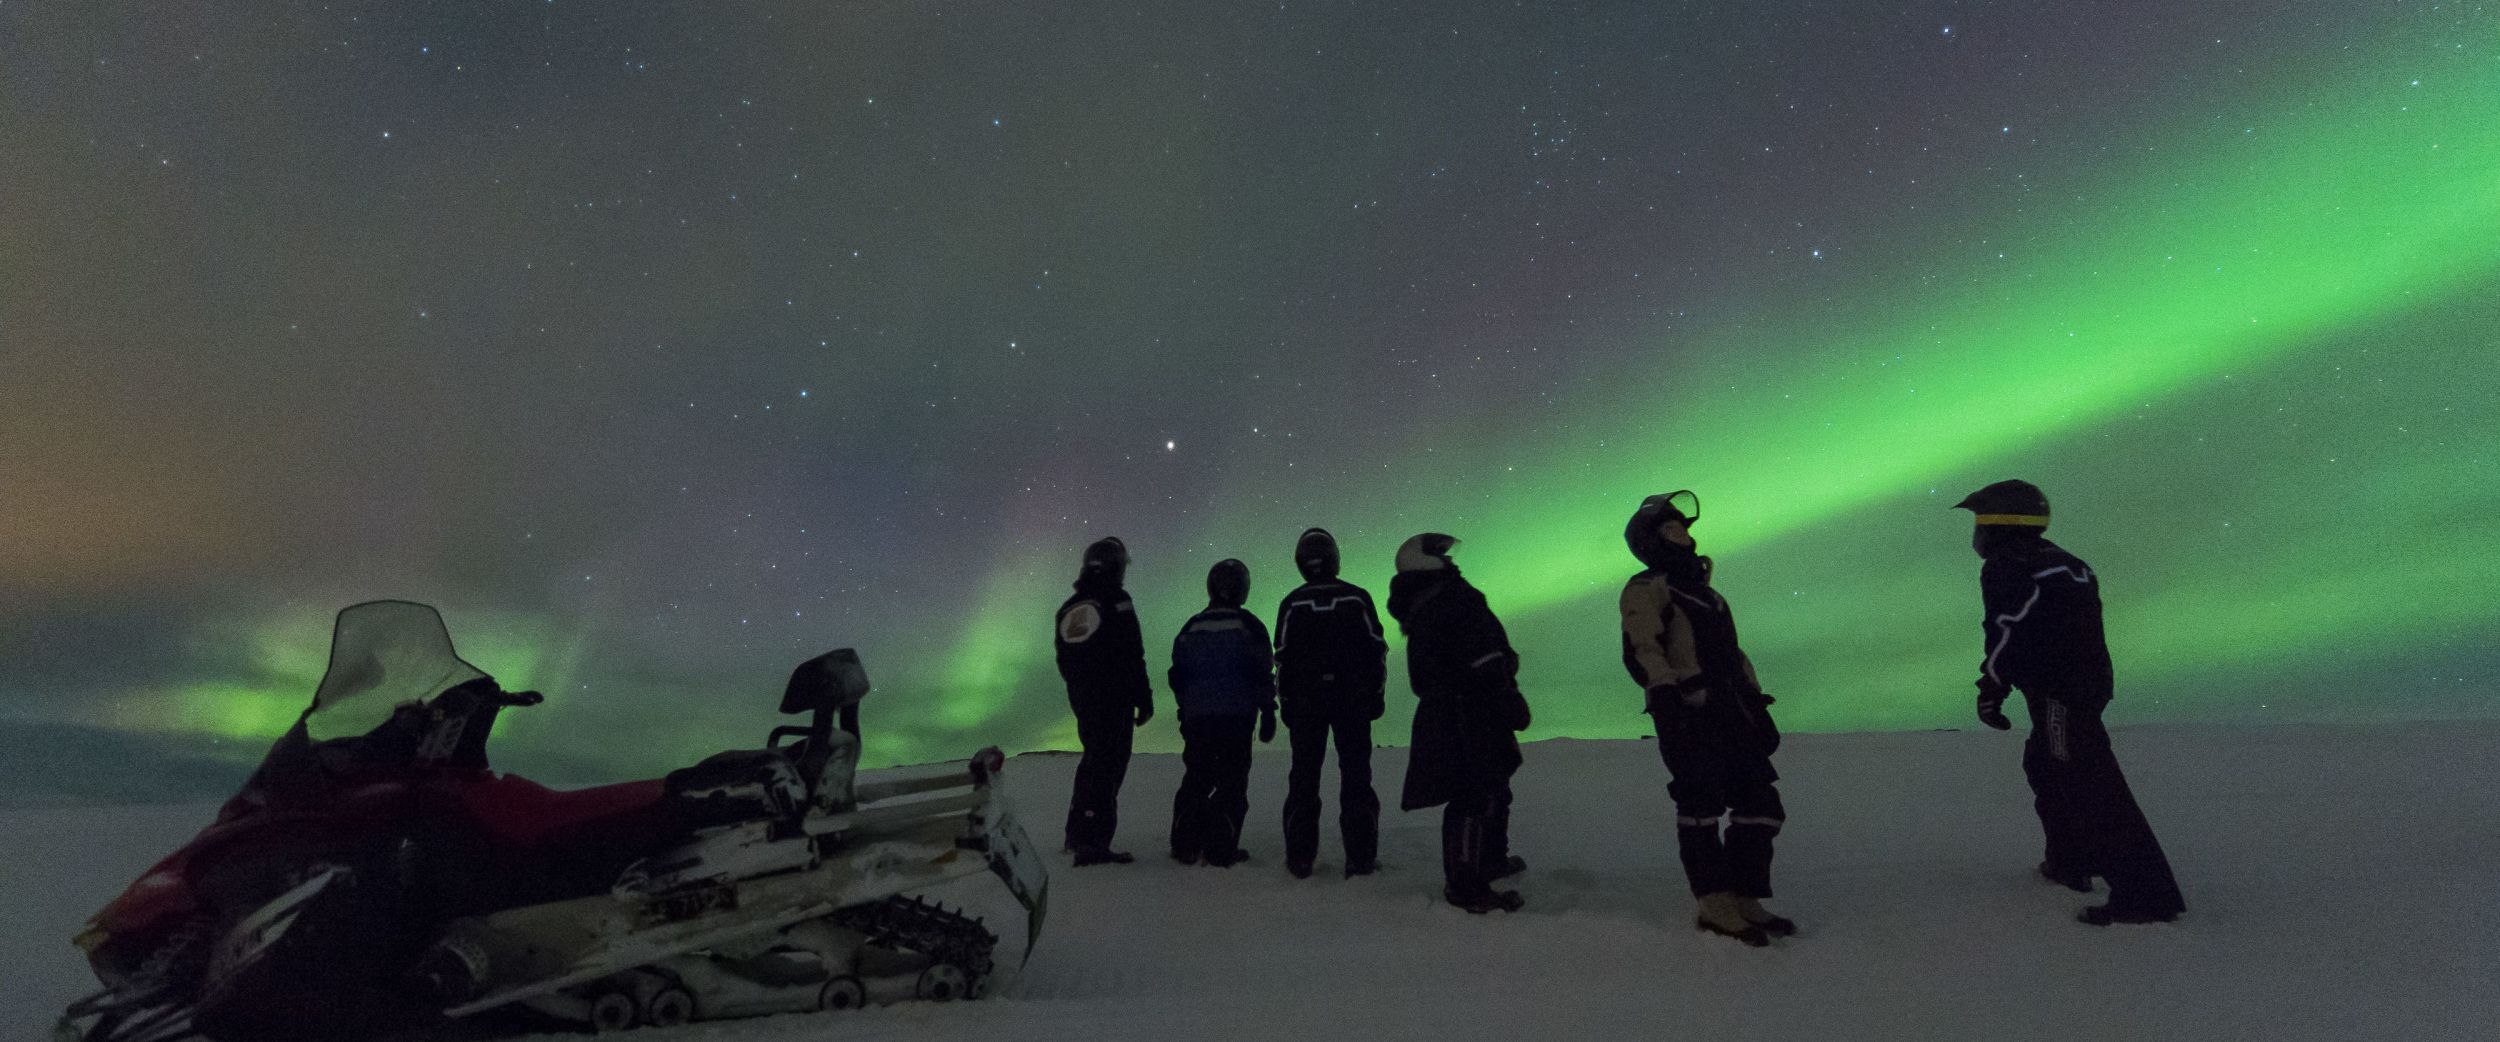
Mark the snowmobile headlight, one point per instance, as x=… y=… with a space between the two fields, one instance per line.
x=91 y=938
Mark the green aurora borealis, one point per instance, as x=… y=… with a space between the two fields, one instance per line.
x=2252 y=355
x=2365 y=220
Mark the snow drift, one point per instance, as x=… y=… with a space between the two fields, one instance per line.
x=2340 y=883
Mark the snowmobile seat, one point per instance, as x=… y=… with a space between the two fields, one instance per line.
x=542 y=844
x=519 y=812
x=745 y=784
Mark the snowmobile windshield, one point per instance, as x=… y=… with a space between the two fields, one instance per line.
x=384 y=654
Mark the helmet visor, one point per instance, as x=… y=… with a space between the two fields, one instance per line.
x=1682 y=503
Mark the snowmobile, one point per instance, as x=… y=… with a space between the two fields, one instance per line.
x=388 y=882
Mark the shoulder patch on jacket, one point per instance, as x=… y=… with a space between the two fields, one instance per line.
x=1642 y=592
x=1080 y=622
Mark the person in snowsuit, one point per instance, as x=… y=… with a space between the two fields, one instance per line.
x=1714 y=723
x=1467 y=710
x=1331 y=665
x=1222 y=676
x=2042 y=628
x=1102 y=657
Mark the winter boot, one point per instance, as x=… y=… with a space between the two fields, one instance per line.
x=1720 y=915
x=1361 y=868
x=1510 y=865
x=1773 y=925
x=2079 y=882
x=1487 y=900
x=1227 y=858
x=1101 y=856
x=1300 y=869
x=2104 y=915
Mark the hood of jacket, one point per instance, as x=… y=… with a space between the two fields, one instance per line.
x=1407 y=590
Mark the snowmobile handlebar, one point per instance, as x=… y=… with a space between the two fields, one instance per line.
x=480 y=694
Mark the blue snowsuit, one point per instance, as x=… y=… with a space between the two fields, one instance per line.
x=1223 y=679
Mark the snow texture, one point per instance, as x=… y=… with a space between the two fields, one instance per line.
x=2340 y=883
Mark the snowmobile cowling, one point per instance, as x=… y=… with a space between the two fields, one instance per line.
x=366 y=884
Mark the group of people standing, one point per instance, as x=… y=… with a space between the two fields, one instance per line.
x=1324 y=672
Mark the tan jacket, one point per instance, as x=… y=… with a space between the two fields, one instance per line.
x=1674 y=640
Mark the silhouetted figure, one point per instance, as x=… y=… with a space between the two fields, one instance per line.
x=2043 y=637
x=1331 y=666
x=1714 y=723
x=1222 y=678
x=1102 y=656
x=1467 y=708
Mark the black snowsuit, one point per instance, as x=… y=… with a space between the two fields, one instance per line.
x=1223 y=679
x=2043 y=632
x=1467 y=706
x=1331 y=665
x=1102 y=657
x=1714 y=723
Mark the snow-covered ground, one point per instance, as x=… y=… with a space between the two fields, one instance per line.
x=2342 y=882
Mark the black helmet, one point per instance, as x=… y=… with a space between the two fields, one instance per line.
x=1316 y=554
x=1641 y=532
x=1106 y=559
x=2013 y=502
x=1429 y=551
x=1228 y=583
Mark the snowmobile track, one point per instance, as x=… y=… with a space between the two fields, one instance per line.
x=919 y=925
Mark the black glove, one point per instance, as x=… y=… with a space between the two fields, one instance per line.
x=1145 y=712
x=1380 y=703
x=1691 y=694
x=1267 y=725
x=1992 y=705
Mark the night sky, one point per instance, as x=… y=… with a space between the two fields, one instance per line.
x=664 y=347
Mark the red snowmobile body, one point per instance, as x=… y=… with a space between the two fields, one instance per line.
x=305 y=910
